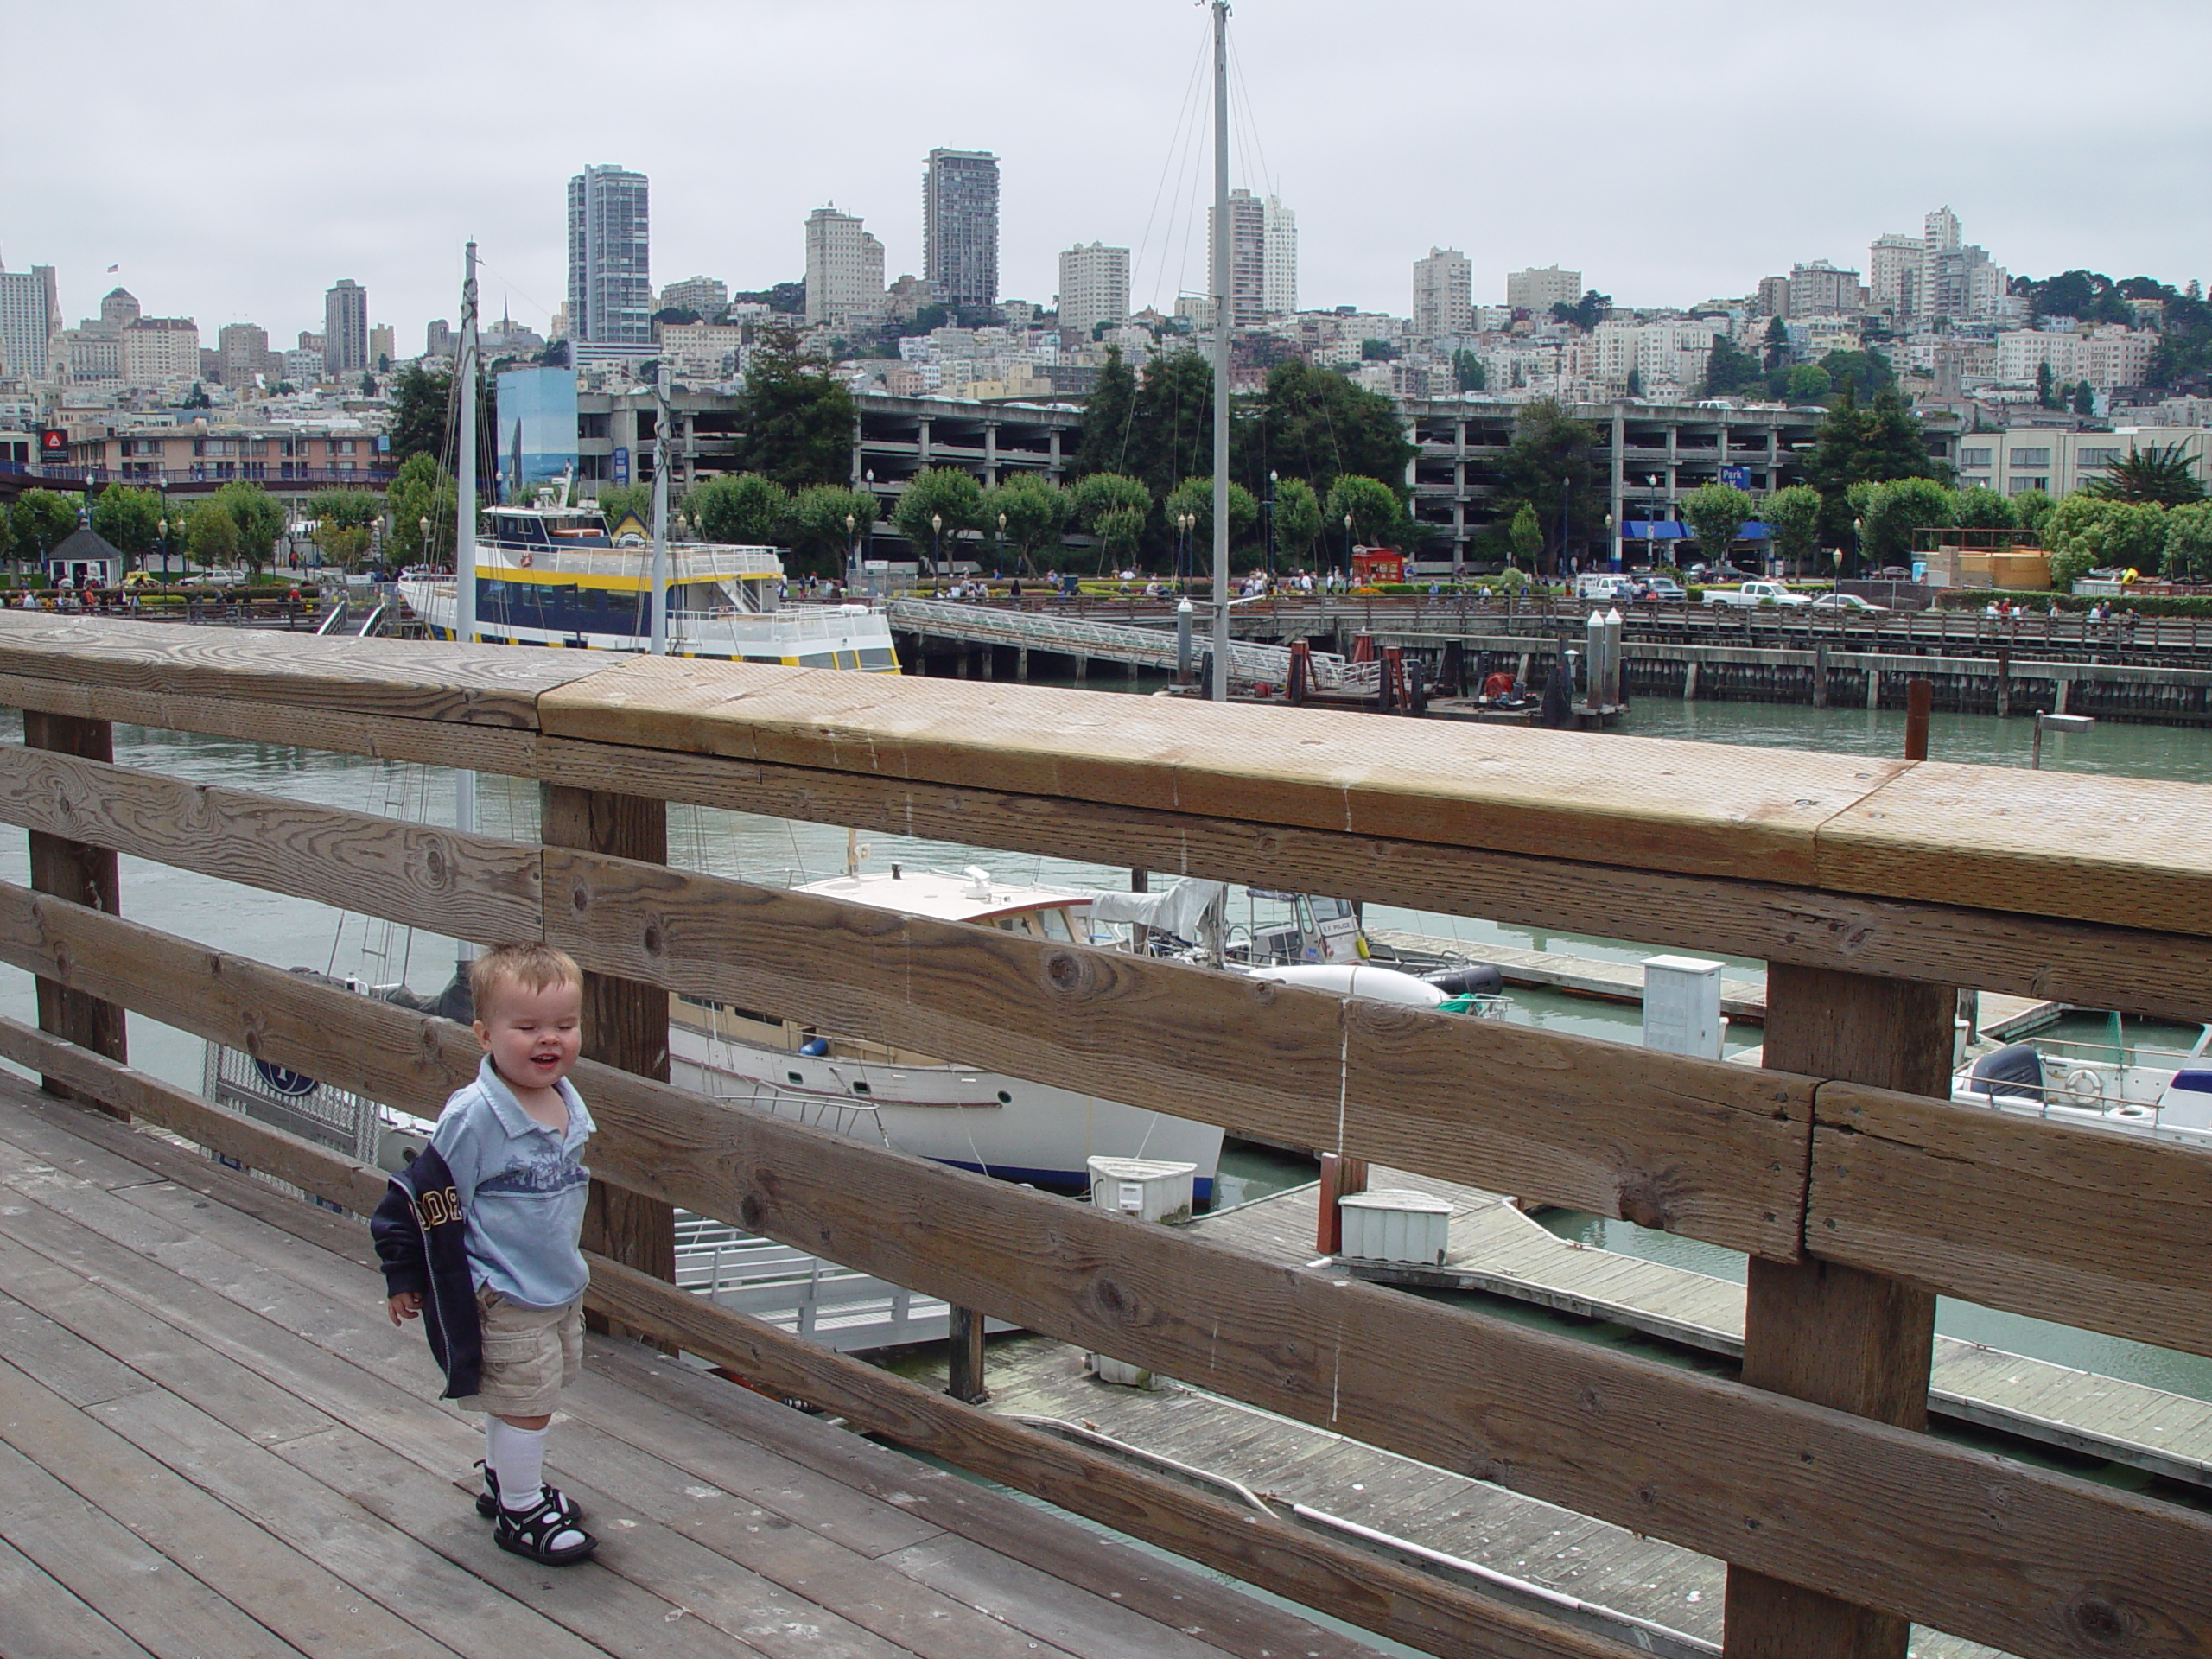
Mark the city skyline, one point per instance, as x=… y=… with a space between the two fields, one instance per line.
x=2114 y=184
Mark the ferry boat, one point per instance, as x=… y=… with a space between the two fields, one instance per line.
x=551 y=574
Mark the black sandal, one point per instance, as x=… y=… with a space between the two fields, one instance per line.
x=532 y=1534
x=487 y=1501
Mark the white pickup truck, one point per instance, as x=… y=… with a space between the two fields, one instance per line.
x=1754 y=593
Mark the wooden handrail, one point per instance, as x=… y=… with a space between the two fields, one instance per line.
x=1877 y=872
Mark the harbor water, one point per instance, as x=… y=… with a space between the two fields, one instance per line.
x=288 y=930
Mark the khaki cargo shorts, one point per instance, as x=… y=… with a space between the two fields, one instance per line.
x=530 y=1355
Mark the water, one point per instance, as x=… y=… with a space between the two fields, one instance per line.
x=286 y=930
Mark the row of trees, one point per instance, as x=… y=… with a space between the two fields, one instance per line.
x=237 y=525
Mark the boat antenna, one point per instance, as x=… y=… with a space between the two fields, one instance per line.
x=1223 y=313
x=464 y=544
x=659 y=645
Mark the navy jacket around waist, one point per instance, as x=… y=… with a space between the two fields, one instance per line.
x=417 y=1230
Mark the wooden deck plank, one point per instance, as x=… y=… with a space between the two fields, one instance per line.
x=81 y=1375
x=263 y=1578
x=153 y=1599
x=41 y=1616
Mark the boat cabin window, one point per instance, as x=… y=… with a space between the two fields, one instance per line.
x=1055 y=925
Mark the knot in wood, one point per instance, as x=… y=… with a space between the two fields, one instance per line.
x=752 y=1214
x=1641 y=1198
x=435 y=864
x=580 y=896
x=2098 y=1621
x=1069 y=971
x=654 y=939
x=1112 y=1300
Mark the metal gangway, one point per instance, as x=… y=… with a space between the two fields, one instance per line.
x=1249 y=663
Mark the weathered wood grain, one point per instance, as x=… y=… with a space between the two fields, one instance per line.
x=2129 y=851
x=626 y=1022
x=470 y=887
x=2139 y=970
x=1839 y=1336
x=1693 y=806
x=385 y=737
x=84 y=874
x=482 y=685
x=1695 y=1146
x=2000 y=1553
x=2088 y=1227
x=1376 y=1595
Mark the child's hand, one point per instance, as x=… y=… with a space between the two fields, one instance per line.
x=406 y=1305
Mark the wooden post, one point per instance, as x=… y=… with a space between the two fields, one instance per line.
x=1919 y=703
x=1342 y=1175
x=1839 y=1337
x=964 y=1350
x=83 y=875
x=626 y=1023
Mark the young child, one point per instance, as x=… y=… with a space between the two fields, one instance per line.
x=484 y=1224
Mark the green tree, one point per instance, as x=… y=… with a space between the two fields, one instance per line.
x=1889 y=512
x=1806 y=383
x=1550 y=463
x=1870 y=443
x=1585 y=313
x=796 y=424
x=130 y=519
x=258 y=519
x=1113 y=507
x=1035 y=510
x=1298 y=520
x=7 y=541
x=1794 y=516
x=1981 y=508
x=1195 y=497
x=1378 y=515
x=1526 y=537
x=342 y=518
x=2046 y=386
x=1107 y=415
x=2085 y=399
x=1314 y=424
x=1469 y=371
x=421 y=490
x=43 y=520
x=2096 y=533
x=938 y=504
x=819 y=532
x=1774 y=350
x=1730 y=369
x=2160 y=474
x=2188 y=542
x=1716 y=514
x=742 y=508
x=211 y=535
x=1867 y=374
x=421 y=413
x=617 y=500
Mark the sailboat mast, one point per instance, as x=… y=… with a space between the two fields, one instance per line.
x=464 y=543
x=1223 y=314
x=659 y=645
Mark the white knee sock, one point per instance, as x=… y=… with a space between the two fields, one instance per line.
x=517 y=1456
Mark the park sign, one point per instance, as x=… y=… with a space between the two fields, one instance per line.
x=53 y=445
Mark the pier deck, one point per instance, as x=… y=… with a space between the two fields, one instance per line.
x=212 y=1442
x=1495 y=1248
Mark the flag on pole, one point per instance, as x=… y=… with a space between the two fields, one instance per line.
x=112 y=270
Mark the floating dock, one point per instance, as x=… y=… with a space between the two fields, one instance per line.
x=1495 y=1249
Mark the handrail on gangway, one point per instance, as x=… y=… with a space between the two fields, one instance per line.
x=1250 y=664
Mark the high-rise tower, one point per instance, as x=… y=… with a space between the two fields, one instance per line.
x=346 y=329
x=610 y=265
x=960 y=227
x=844 y=269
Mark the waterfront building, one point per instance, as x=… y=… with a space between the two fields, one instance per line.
x=346 y=329
x=1093 y=290
x=610 y=277
x=1444 y=294
x=844 y=269
x=960 y=227
x=2058 y=461
x=707 y=297
x=1537 y=291
x=30 y=316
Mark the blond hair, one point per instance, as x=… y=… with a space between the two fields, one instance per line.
x=528 y=963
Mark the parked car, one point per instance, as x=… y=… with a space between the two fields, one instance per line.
x=1850 y=603
x=1753 y=593
x=1664 y=590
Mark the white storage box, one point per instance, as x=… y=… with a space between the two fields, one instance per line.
x=1147 y=1189
x=1396 y=1226
x=1682 y=1006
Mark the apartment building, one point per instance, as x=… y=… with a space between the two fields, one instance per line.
x=2057 y=461
x=1444 y=294
x=1094 y=290
x=1537 y=291
x=844 y=270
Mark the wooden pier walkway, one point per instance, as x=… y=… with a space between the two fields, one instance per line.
x=212 y=1442
x=1496 y=1249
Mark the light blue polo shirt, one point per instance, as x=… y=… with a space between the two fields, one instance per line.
x=522 y=1190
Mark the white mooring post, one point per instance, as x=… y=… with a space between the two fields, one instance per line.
x=1143 y=1189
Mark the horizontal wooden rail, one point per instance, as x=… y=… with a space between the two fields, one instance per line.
x=1377 y=1595
x=2026 y=1561
x=2102 y=1231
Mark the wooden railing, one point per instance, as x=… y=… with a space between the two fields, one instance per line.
x=1857 y=1192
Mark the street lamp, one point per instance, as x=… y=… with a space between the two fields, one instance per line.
x=998 y=553
x=936 y=543
x=1184 y=523
x=1347 y=547
x=852 y=552
x=164 y=529
x=1271 y=524
x=1612 y=546
x=1858 y=529
x=423 y=525
x=2054 y=723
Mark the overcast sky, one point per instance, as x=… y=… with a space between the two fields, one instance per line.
x=235 y=157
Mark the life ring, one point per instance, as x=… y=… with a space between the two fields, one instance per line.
x=523 y=560
x=2084 y=1087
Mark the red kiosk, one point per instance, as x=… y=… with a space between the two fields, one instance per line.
x=1370 y=565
